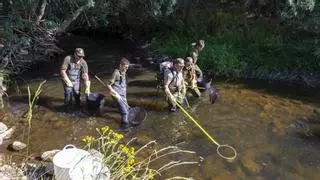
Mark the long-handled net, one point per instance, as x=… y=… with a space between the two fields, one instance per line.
x=220 y=147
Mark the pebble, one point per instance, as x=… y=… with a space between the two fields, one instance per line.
x=18 y=146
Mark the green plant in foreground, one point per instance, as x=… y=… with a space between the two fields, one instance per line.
x=31 y=102
x=122 y=161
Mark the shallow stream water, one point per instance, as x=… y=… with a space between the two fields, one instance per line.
x=255 y=119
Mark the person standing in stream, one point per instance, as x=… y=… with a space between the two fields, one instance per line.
x=117 y=86
x=194 y=53
x=174 y=86
x=72 y=69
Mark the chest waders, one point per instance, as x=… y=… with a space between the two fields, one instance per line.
x=188 y=76
x=175 y=90
x=120 y=86
x=74 y=73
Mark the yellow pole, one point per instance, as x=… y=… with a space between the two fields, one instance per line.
x=196 y=123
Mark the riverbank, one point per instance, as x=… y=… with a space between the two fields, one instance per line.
x=288 y=58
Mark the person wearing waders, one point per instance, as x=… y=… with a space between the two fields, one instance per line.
x=190 y=79
x=117 y=86
x=73 y=67
x=174 y=86
x=194 y=53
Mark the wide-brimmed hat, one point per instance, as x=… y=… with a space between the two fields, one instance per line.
x=179 y=61
x=79 y=52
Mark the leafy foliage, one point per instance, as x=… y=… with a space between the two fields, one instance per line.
x=239 y=47
x=241 y=36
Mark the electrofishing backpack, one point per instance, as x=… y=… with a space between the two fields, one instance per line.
x=166 y=65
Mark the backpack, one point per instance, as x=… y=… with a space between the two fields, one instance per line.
x=164 y=66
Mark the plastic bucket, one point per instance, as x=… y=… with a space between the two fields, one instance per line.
x=66 y=159
x=89 y=168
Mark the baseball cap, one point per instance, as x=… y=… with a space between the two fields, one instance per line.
x=179 y=61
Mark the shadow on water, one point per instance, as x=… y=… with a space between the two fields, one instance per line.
x=286 y=90
x=145 y=83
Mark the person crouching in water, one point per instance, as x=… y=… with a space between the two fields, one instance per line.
x=190 y=77
x=117 y=86
x=174 y=86
x=71 y=70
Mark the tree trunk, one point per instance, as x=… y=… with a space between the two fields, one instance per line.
x=42 y=9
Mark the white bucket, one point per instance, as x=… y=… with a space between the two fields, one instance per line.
x=89 y=168
x=66 y=159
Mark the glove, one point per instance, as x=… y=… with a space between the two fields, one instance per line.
x=117 y=96
x=184 y=92
x=172 y=98
x=193 y=83
x=87 y=90
x=68 y=82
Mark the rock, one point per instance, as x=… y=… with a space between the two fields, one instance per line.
x=18 y=146
x=48 y=155
x=248 y=162
x=8 y=133
x=2 y=159
x=3 y=128
x=306 y=127
x=96 y=153
x=240 y=174
x=224 y=174
x=8 y=172
x=260 y=178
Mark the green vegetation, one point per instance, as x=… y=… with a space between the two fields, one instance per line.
x=124 y=162
x=31 y=103
x=249 y=39
x=247 y=43
x=229 y=53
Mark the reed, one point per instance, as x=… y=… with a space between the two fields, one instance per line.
x=31 y=102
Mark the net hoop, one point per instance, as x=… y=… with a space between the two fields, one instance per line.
x=226 y=157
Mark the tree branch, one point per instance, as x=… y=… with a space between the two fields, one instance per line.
x=66 y=23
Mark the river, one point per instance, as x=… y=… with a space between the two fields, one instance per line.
x=254 y=118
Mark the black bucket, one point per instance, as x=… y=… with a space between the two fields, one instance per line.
x=95 y=101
